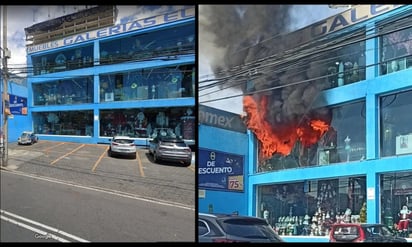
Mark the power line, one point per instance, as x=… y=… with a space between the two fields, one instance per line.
x=327 y=47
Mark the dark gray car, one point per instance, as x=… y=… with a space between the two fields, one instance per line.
x=170 y=149
x=231 y=228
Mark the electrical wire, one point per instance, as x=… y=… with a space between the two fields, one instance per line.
x=324 y=48
x=219 y=80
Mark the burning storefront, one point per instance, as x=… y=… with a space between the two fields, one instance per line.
x=313 y=100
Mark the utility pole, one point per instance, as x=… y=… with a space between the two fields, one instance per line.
x=5 y=96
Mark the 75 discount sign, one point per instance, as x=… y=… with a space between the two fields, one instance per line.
x=235 y=183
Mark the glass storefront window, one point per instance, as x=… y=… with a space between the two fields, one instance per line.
x=395 y=124
x=396 y=49
x=155 y=83
x=342 y=63
x=347 y=65
x=310 y=207
x=79 y=123
x=63 y=92
x=148 y=122
x=174 y=41
x=344 y=141
x=80 y=57
x=395 y=194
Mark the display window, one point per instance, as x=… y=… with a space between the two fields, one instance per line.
x=347 y=63
x=396 y=201
x=78 y=123
x=63 y=92
x=396 y=46
x=174 y=41
x=342 y=139
x=153 y=83
x=75 y=58
x=342 y=63
x=148 y=122
x=309 y=208
x=395 y=124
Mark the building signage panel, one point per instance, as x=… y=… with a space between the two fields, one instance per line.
x=355 y=15
x=114 y=30
x=221 y=119
x=220 y=171
x=17 y=105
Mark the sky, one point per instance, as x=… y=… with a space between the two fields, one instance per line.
x=20 y=17
x=300 y=17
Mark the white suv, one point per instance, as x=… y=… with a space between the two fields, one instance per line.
x=122 y=145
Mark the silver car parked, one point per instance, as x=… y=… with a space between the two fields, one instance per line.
x=169 y=148
x=122 y=146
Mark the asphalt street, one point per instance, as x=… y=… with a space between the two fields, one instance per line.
x=89 y=165
x=52 y=210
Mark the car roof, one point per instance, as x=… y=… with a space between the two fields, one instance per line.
x=226 y=215
x=358 y=224
x=27 y=132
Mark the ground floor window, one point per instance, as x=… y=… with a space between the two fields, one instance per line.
x=79 y=123
x=148 y=122
x=310 y=207
x=396 y=201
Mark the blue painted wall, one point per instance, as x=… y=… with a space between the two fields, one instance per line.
x=229 y=142
x=17 y=123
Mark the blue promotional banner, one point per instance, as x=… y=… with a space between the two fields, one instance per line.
x=18 y=105
x=220 y=171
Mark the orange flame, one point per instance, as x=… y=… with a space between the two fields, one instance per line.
x=279 y=139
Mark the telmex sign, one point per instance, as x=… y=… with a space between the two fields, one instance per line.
x=357 y=14
x=117 y=29
x=221 y=119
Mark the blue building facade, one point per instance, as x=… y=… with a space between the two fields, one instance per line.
x=135 y=78
x=18 y=121
x=348 y=156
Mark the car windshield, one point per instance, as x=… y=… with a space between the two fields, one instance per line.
x=25 y=135
x=248 y=228
x=173 y=143
x=379 y=230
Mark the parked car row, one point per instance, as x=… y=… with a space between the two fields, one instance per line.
x=232 y=228
x=363 y=232
x=164 y=148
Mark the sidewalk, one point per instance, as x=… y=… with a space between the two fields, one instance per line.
x=17 y=157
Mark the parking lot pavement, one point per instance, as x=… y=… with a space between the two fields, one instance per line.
x=89 y=165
